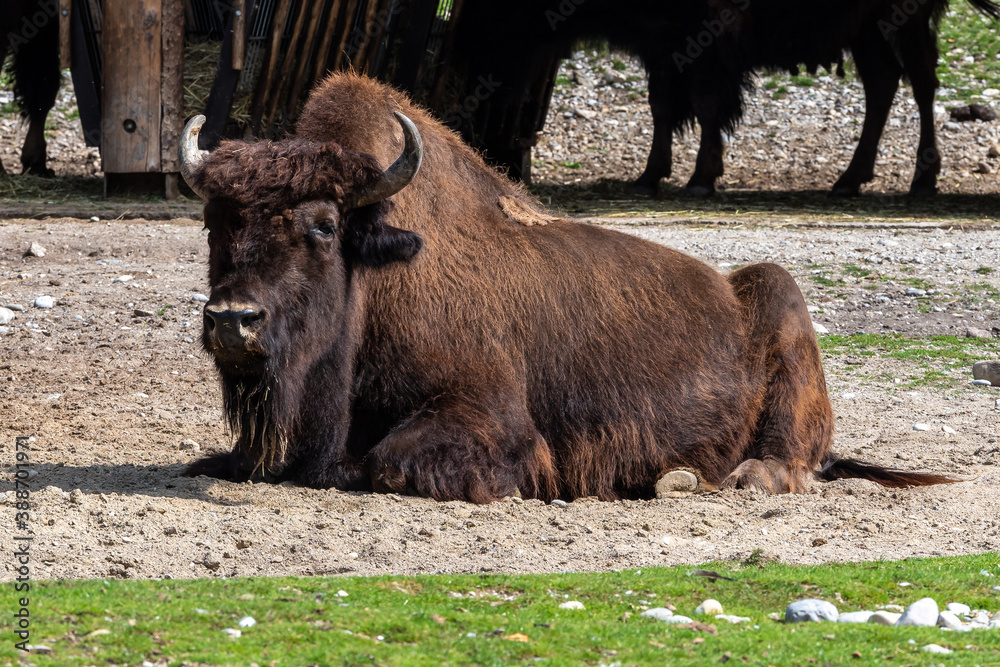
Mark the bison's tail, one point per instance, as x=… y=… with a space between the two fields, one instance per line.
x=838 y=468
x=987 y=7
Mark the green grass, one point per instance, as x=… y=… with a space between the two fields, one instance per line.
x=507 y=619
x=983 y=270
x=964 y=32
x=940 y=362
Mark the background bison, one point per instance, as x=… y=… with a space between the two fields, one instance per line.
x=411 y=331
x=29 y=33
x=701 y=56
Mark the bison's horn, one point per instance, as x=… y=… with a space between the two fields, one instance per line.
x=402 y=171
x=190 y=155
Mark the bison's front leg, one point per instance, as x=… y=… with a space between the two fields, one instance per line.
x=458 y=449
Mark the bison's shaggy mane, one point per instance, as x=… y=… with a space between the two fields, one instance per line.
x=271 y=174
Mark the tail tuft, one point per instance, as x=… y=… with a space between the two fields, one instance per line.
x=987 y=7
x=837 y=468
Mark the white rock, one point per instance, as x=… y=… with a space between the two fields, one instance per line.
x=572 y=604
x=949 y=430
x=343 y=594
x=709 y=607
x=247 y=622
x=855 y=617
x=659 y=613
x=6 y=316
x=677 y=619
x=733 y=619
x=819 y=328
x=921 y=427
x=200 y=298
x=884 y=618
x=94 y=218
x=36 y=249
x=676 y=480
x=958 y=608
x=934 y=648
x=233 y=633
x=946 y=619
x=810 y=610
x=122 y=279
x=915 y=291
x=16 y=307
x=190 y=445
x=558 y=503
x=922 y=613
x=44 y=302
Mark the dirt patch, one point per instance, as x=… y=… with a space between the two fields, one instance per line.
x=112 y=380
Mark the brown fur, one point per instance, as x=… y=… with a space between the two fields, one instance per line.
x=431 y=344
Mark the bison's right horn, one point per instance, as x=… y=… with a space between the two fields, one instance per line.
x=190 y=155
x=402 y=171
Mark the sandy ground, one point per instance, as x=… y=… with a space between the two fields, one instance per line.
x=109 y=397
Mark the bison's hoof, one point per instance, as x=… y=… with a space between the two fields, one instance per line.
x=644 y=189
x=923 y=191
x=701 y=190
x=845 y=190
x=676 y=481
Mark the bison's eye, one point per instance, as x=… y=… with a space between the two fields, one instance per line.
x=324 y=230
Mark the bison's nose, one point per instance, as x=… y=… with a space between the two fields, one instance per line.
x=230 y=327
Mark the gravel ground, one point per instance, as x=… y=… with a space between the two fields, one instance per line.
x=110 y=395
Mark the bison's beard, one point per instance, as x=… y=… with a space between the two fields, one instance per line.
x=261 y=411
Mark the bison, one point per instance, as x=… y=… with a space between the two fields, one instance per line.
x=29 y=32
x=428 y=329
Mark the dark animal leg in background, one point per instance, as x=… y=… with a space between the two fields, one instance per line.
x=795 y=429
x=920 y=56
x=458 y=449
x=36 y=76
x=708 y=165
x=658 y=166
x=880 y=74
x=230 y=466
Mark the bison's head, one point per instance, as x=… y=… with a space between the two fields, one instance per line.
x=289 y=224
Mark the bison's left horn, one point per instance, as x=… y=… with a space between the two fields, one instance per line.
x=402 y=171
x=190 y=155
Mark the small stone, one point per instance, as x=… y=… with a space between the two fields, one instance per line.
x=958 y=608
x=243 y=544
x=44 y=302
x=211 y=562
x=16 y=307
x=122 y=279
x=558 y=503
x=233 y=633
x=973 y=332
x=987 y=370
x=677 y=619
x=676 y=480
x=994 y=151
x=200 y=298
x=981 y=383
x=170 y=530
x=915 y=291
x=614 y=76
x=40 y=649
x=819 y=328
x=94 y=218
x=983 y=168
x=247 y=622
x=884 y=618
x=934 y=648
x=76 y=497
x=190 y=445
x=571 y=604
x=855 y=617
x=709 y=607
x=659 y=613
x=6 y=316
x=586 y=114
x=139 y=312
x=735 y=620
x=342 y=593
x=949 y=430
x=810 y=610
x=35 y=250
x=946 y=619
x=922 y=613
x=921 y=427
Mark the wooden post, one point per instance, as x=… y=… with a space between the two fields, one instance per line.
x=172 y=92
x=131 y=103
x=239 y=33
x=65 y=31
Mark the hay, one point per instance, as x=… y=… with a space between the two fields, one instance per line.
x=201 y=60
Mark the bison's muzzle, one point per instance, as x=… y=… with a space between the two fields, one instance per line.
x=230 y=329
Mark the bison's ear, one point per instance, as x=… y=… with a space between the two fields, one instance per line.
x=374 y=243
x=384 y=245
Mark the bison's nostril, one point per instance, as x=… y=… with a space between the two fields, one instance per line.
x=250 y=318
x=209 y=321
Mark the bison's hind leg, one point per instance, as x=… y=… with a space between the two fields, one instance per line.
x=795 y=427
x=460 y=449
